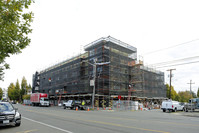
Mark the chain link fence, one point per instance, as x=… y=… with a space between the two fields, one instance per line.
x=120 y=105
x=27 y=102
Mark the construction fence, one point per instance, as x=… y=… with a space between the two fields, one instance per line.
x=121 y=105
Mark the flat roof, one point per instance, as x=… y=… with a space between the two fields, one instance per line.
x=110 y=39
x=61 y=63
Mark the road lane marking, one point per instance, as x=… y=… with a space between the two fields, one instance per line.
x=163 y=122
x=104 y=123
x=119 y=125
x=47 y=125
x=28 y=131
x=131 y=119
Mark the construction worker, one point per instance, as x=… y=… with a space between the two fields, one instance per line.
x=83 y=102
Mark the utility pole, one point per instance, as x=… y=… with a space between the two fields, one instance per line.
x=170 y=81
x=190 y=87
x=191 y=92
x=94 y=76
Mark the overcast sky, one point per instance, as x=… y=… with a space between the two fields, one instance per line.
x=62 y=27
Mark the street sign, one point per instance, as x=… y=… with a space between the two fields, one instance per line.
x=119 y=96
x=91 y=82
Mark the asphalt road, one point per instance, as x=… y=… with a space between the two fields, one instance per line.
x=58 y=120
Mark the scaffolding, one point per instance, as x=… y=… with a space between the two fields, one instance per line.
x=136 y=80
x=153 y=83
x=146 y=82
x=123 y=76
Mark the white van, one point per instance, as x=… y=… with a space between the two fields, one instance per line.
x=171 y=106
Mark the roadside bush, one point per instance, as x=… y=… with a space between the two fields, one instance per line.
x=26 y=97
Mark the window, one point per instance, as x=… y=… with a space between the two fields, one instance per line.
x=6 y=107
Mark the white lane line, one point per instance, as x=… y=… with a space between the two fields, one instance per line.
x=47 y=125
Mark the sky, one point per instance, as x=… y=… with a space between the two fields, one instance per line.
x=62 y=27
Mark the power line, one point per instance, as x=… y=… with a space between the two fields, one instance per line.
x=179 y=64
x=170 y=47
x=175 y=61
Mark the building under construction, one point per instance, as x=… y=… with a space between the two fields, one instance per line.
x=109 y=67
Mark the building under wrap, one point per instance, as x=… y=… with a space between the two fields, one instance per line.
x=118 y=74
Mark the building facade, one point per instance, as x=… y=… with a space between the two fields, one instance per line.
x=108 y=65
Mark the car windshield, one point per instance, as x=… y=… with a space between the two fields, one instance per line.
x=69 y=101
x=6 y=107
x=45 y=99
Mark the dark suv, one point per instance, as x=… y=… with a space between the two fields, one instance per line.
x=9 y=115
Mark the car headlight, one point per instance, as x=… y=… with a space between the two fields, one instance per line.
x=17 y=115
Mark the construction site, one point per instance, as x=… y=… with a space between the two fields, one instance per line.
x=107 y=71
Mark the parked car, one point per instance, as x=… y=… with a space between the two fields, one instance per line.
x=39 y=99
x=13 y=102
x=72 y=104
x=192 y=105
x=9 y=115
x=170 y=105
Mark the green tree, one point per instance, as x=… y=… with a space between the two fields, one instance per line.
x=17 y=91
x=11 y=89
x=26 y=97
x=173 y=92
x=14 y=29
x=184 y=96
x=28 y=88
x=193 y=94
x=198 y=93
x=177 y=97
x=23 y=87
x=1 y=93
x=24 y=84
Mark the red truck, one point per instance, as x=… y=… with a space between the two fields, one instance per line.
x=39 y=99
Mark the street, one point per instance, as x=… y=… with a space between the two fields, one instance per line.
x=58 y=120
